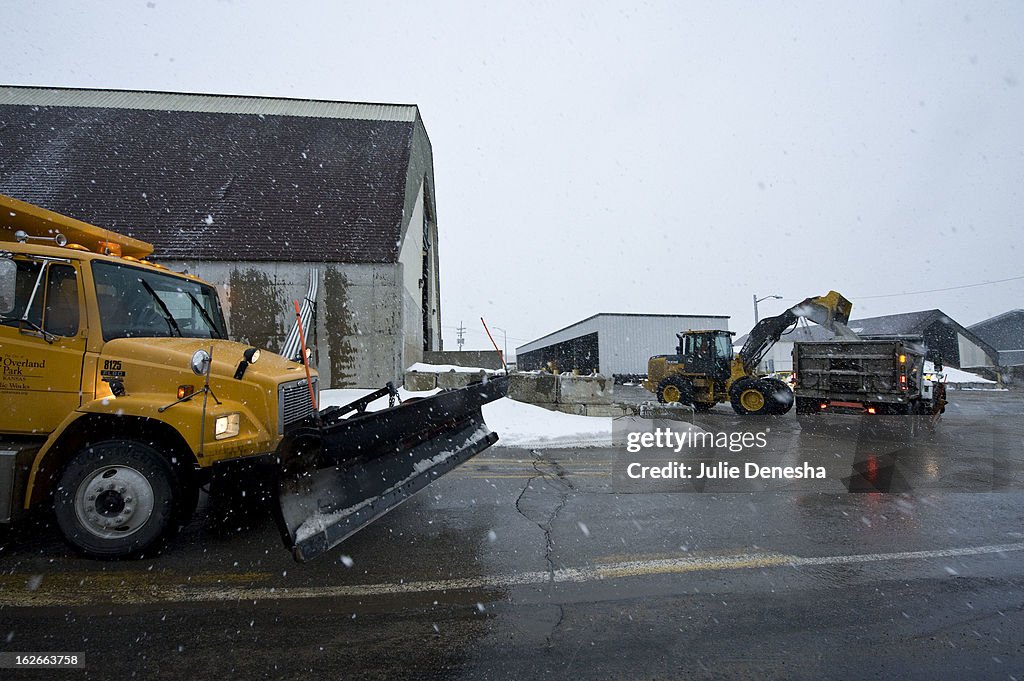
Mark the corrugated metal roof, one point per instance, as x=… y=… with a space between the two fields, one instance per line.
x=200 y=103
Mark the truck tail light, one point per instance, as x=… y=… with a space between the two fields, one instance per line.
x=903 y=381
x=871 y=410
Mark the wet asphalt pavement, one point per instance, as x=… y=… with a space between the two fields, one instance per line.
x=906 y=561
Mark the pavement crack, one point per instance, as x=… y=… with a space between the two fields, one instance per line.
x=559 y=480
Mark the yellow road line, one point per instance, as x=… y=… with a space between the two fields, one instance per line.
x=54 y=591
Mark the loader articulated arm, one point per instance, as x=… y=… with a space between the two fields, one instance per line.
x=831 y=311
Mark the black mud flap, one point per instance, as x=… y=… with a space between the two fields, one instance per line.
x=359 y=468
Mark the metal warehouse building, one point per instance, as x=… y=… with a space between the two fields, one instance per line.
x=257 y=196
x=612 y=343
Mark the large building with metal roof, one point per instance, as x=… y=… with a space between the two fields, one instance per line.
x=256 y=195
x=612 y=344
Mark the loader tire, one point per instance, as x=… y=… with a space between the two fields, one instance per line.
x=118 y=499
x=750 y=397
x=781 y=396
x=675 y=389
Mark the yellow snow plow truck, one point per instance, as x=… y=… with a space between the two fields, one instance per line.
x=122 y=395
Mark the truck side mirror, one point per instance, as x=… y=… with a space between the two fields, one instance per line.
x=8 y=278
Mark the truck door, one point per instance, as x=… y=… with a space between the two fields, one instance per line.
x=42 y=343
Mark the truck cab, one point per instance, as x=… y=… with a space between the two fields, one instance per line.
x=121 y=391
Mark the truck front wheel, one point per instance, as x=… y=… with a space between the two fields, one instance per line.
x=117 y=499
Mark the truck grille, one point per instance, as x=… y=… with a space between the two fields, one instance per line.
x=294 y=402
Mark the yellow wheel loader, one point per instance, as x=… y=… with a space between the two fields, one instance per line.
x=121 y=395
x=704 y=371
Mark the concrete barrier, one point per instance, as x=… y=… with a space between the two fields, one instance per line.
x=674 y=411
x=418 y=381
x=536 y=389
x=457 y=379
x=585 y=389
x=568 y=393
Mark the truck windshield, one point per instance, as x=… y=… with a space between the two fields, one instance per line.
x=136 y=302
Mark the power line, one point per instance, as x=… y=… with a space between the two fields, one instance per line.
x=939 y=290
x=933 y=290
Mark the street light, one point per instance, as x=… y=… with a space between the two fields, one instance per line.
x=504 y=342
x=758 y=300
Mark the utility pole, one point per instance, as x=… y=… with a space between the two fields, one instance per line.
x=461 y=340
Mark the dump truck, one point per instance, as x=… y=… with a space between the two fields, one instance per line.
x=123 y=395
x=704 y=371
x=867 y=377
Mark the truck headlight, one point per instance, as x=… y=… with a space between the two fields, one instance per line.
x=226 y=426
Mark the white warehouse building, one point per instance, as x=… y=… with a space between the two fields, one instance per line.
x=612 y=343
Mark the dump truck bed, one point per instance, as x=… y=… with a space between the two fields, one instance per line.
x=858 y=371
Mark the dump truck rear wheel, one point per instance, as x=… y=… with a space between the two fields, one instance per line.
x=750 y=397
x=117 y=499
x=780 y=396
x=675 y=389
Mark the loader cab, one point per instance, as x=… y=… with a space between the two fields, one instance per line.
x=706 y=352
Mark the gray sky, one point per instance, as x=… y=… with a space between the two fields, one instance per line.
x=658 y=157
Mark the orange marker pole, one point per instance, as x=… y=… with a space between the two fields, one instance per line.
x=500 y=356
x=305 y=359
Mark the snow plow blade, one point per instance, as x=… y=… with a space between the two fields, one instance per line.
x=344 y=473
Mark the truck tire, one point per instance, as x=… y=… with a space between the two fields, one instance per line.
x=781 y=396
x=118 y=499
x=675 y=389
x=750 y=397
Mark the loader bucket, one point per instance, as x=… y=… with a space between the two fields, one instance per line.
x=369 y=463
x=831 y=310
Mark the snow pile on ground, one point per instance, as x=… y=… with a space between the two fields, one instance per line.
x=516 y=423
x=953 y=375
x=526 y=425
x=425 y=368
